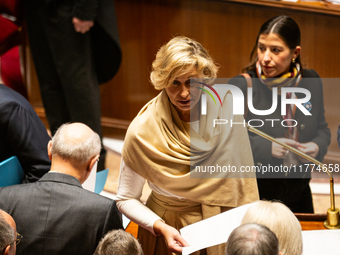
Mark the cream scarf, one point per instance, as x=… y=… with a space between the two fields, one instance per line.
x=160 y=147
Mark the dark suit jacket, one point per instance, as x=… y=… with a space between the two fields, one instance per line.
x=57 y=216
x=22 y=134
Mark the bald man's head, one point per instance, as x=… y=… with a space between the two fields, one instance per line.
x=8 y=232
x=75 y=142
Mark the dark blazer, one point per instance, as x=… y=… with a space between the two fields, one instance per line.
x=311 y=129
x=57 y=216
x=22 y=134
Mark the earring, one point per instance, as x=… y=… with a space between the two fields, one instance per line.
x=293 y=60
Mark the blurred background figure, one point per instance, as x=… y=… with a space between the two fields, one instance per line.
x=75 y=48
x=252 y=239
x=119 y=242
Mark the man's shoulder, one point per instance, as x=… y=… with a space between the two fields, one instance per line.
x=8 y=95
x=14 y=189
x=12 y=103
x=12 y=194
x=58 y=194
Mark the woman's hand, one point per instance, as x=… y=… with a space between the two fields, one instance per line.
x=171 y=235
x=311 y=149
x=279 y=151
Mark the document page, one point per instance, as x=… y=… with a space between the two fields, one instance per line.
x=325 y=242
x=212 y=231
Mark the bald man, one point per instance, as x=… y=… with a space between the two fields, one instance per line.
x=56 y=215
x=252 y=239
x=8 y=234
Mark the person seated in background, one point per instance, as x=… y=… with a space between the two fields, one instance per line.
x=119 y=242
x=279 y=219
x=22 y=134
x=9 y=238
x=56 y=215
x=252 y=239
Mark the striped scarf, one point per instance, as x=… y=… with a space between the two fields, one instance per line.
x=288 y=79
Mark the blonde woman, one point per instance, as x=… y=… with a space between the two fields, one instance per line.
x=279 y=219
x=166 y=139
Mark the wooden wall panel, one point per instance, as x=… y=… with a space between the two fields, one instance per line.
x=227 y=29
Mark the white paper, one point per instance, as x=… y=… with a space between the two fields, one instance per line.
x=325 y=242
x=126 y=221
x=90 y=183
x=212 y=231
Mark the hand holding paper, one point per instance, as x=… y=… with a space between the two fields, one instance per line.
x=212 y=231
x=171 y=235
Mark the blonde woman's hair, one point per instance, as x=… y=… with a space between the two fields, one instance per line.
x=178 y=57
x=279 y=219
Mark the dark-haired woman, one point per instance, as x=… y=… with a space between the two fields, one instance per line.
x=276 y=63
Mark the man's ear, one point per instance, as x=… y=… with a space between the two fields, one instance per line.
x=92 y=162
x=49 y=149
x=6 y=251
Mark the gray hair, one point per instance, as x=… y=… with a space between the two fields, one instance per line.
x=252 y=239
x=7 y=233
x=119 y=242
x=79 y=150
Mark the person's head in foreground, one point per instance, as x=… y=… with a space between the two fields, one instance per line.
x=277 y=48
x=279 y=219
x=74 y=150
x=176 y=62
x=118 y=242
x=8 y=234
x=252 y=239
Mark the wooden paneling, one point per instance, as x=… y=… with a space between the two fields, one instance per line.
x=228 y=29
